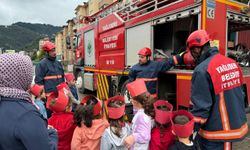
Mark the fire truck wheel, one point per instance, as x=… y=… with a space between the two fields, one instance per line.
x=125 y=92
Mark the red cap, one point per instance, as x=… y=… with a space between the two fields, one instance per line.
x=61 y=101
x=69 y=77
x=62 y=85
x=116 y=113
x=36 y=89
x=137 y=87
x=48 y=46
x=97 y=107
x=183 y=130
x=162 y=116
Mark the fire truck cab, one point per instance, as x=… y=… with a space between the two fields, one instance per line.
x=108 y=45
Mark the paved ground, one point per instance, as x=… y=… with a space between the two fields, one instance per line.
x=244 y=145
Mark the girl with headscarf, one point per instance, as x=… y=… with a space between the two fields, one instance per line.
x=22 y=126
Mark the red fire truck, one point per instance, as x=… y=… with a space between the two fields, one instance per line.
x=108 y=44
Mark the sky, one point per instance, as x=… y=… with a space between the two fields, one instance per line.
x=54 y=12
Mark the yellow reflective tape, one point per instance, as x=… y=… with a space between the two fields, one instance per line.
x=106 y=82
x=232 y=3
x=125 y=72
x=107 y=71
x=184 y=77
x=104 y=88
x=100 y=87
x=90 y=69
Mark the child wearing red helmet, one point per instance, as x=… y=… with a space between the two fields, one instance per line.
x=90 y=124
x=113 y=137
x=62 y=118
x=142 y=121
x=70 y=79
x=161 y=135
x=38 y=92
x=182 y=126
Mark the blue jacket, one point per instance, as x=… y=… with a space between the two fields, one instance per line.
x=22 y=127
x=74 y=91
x=42 y=108
x=218 y=99
x=149 y=72
x=49 y=73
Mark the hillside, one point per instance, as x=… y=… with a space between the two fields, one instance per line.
x=25 y=36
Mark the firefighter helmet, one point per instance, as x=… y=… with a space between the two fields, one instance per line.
x=48 y=46
x=145 y=51
x=197 y=38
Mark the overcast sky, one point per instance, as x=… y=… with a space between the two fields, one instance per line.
x=54 y=12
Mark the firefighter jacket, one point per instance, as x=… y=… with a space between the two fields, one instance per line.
x=218 y=99
x=149 y=71
x=49 y=73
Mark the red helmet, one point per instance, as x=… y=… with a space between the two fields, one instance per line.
x=197 y=38
x=145 y=51
x=48 y=46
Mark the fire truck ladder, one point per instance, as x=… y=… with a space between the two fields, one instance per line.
x=134 y=8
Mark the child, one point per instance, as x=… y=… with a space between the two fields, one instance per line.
x=37 y=91
x=161 y=136
x=90 y=125
x=113 y=137
x=141 y=123
x=62 y=118
x=70 y=79
x=182 y=125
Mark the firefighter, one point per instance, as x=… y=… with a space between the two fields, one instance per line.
x=217 y=96
x=49 y=72
x=148 y=70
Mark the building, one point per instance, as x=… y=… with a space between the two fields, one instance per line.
x=59 y=45
x=104 y=3
x=81 y=11
x=93 y=6
x=70 y=41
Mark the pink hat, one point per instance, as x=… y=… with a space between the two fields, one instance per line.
x=162 y=116
x=183 y=130
x=137 y=87
x=62 y=85
x=97 y=106
x=36 y=89
x=60 y=103
x=116 y=113
x=69 y=77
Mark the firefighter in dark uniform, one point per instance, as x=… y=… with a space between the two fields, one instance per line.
x=148 y=70
x=49 y=72
x=217 y=96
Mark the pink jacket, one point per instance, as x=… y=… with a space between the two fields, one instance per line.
x=85 y=138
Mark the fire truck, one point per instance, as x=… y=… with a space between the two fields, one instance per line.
x=108 y=44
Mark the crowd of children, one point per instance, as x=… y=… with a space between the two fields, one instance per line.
x=81 y=125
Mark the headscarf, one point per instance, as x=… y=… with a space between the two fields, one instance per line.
x=16 y=75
